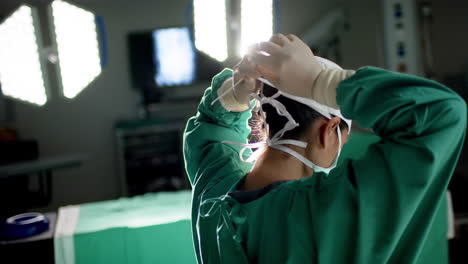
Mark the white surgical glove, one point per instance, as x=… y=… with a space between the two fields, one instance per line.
x=245 y=83
x=290 y=65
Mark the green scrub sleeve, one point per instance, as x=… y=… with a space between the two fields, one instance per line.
x=402 y=179
x=206 y=157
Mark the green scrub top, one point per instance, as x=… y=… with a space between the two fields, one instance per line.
x=386 y=206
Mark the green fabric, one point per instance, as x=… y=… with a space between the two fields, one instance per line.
x=152 y=228
x=357 y=145
x=386 y=205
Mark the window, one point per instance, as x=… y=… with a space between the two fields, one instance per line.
x=210 y=28
x=256 y=22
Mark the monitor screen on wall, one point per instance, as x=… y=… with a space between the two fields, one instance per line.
x=167 y=57
x=174 y=57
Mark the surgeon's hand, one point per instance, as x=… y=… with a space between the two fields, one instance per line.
x=245 y=75
x=244 y=80
x=288 y=63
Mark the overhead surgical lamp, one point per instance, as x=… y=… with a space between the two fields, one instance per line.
x=22 y=70
x=77 y=47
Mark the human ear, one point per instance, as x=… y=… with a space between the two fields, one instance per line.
x=333 y=123
x=323 y=128
x=329 y=133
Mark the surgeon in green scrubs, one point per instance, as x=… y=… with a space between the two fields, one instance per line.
x=387 y=206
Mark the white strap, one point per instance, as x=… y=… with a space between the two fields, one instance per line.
x=293 y=153
x=260 y=146
x=310 y=164
x=323 y=109
x=293 y=142
x=281 y=110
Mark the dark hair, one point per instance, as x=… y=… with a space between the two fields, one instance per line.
x=302 y=114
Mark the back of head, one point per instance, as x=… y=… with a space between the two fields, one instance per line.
x=302 y=114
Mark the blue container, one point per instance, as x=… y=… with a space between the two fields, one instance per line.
x=24 y=225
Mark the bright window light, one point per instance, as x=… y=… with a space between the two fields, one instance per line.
x=210 y=28
x=77 y=46
x=20 y=68
x=256 y=22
